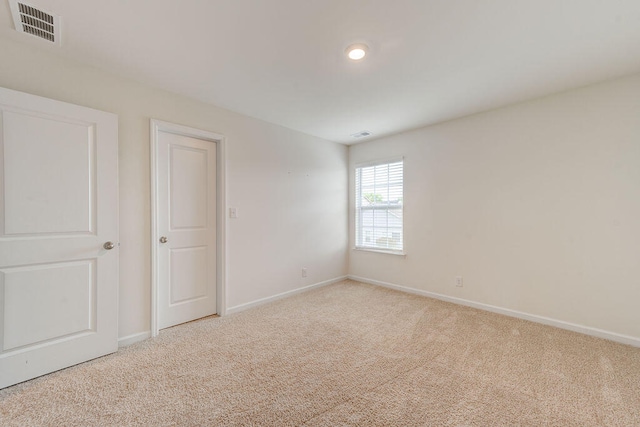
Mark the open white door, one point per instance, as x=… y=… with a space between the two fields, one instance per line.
x=58 y=235
x=185 y=245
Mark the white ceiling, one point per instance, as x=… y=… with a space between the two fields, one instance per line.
x=283 y=60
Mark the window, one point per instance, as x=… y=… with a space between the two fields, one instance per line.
x=379 y=194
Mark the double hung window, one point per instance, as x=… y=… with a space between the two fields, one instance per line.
x=379 y=199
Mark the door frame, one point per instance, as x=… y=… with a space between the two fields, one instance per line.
x=157 y=126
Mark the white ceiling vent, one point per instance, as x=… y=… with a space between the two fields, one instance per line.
x=32 y=20
x=361 y=134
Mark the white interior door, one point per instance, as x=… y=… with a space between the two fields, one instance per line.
x=186 y=228
x=58 y=210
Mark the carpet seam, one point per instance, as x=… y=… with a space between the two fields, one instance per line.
x=365 y=391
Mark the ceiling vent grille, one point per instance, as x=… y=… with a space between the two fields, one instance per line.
x=361 y=134
x=31 y=20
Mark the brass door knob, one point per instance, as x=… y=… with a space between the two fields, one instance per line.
x=108 y=246
x=163 y=239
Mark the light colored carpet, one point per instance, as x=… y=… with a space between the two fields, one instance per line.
x=348 y=354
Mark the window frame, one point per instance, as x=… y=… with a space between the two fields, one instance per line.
x=358 y=231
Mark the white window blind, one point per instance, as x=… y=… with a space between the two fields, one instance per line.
x=379 y=199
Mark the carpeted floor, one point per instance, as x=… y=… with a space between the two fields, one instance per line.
x=348 y=354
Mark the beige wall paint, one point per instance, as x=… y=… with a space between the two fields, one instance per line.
x=290 y=188
x=536 y=205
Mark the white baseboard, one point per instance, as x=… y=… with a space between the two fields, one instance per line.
x=599 y=333
x=261 y=301
x=134 y=338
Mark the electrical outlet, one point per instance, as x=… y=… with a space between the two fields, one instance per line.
x=459 y=281
x=304 y=272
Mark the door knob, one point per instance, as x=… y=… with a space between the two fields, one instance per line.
x=108 y=246
x=163 y=239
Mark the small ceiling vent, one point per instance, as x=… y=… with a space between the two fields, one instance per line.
x=361 y=134
x=32 y=20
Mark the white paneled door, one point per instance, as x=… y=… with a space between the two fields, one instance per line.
x=186 y=227
x=58 y=235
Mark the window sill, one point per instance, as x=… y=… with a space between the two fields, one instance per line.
x=381 y=251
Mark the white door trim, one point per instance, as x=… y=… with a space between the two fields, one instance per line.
x=221 y=207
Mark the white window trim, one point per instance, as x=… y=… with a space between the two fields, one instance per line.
x=380 y=251
x=377 y=162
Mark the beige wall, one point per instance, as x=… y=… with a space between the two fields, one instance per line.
x=290 y=188
x=536 y=205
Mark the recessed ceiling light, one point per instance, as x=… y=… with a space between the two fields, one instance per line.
x=357 y=51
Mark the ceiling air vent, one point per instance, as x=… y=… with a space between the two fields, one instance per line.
x=361 y=134
x=35 y=21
